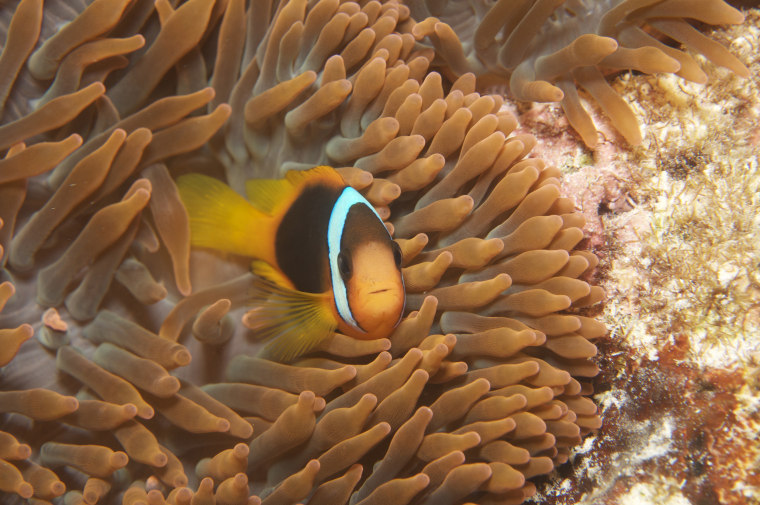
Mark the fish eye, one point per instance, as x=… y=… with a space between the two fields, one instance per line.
x=344 y=265
x=397 y=256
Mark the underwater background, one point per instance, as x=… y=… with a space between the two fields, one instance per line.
x=581 y=251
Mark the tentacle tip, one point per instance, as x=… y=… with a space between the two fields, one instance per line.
x=70 y=404
x=25 y=490
x=159 y=460
x=146 y=412
x=23 y=451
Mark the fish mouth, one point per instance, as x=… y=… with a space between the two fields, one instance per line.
x=379 y=291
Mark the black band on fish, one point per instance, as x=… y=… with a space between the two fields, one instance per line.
x=300 y=240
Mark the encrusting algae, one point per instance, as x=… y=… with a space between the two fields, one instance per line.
x=127 y=374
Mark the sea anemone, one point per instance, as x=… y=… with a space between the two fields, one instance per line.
x=548 y=49
x=129 y=361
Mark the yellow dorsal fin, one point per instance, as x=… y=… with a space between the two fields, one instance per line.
x=270 y=195
x=298 y=177
x=294 y=321
x=220 y=218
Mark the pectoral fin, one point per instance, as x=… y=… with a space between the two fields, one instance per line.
x=266 y=271
x=294 y=321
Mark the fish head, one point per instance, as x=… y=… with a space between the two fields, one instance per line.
x=365 y=269
x=371 y=272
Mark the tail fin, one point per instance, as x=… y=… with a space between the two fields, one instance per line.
x=220 y=218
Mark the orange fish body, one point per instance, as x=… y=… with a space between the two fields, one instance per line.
x=324 y=258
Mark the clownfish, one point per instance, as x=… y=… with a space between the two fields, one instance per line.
x=323 y=258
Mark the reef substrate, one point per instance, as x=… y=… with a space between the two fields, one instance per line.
x=674 y=223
